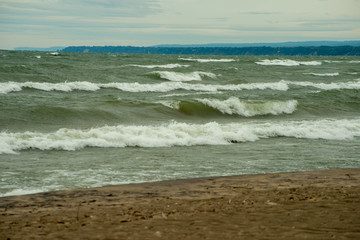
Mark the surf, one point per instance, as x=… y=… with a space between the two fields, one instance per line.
x=287 y=62
x=232 y=106
x=177 y=134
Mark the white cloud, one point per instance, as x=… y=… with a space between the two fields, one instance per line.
x=147 y=22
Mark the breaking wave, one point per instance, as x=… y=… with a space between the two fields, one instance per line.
x=282 y=85
x=8 y=87
x=183 y=77
x=324 y=74
x=175 y=65
x=177 y=134
x=207 y=60
x=232 y=106
x=287 y=62
x=328 y=86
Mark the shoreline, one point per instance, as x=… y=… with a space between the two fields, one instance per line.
x=314 y=204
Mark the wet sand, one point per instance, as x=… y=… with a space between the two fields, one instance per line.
x=302 y=205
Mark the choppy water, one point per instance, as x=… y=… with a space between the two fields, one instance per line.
x=82 y=120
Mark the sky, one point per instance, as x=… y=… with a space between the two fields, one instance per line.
x=47 y=23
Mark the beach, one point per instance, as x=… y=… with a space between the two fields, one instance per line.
x=299 y=205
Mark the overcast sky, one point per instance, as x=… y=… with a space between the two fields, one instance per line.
x=46 y=23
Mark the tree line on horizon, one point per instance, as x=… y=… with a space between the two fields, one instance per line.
x=291 y=51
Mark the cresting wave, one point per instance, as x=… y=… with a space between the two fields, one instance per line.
x=183 y=77
x=287 y=62
x=8 y=87
x=234 y=106
x=177 y=134
x=174 y=65
x=324 y=74
x=328 y=86
x=282 y=85
x=206 y=60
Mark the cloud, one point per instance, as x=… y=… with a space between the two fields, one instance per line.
x=150 y=22
x=83 y=8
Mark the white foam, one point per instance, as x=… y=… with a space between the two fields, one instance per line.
x=170 y=104
x=6 y=87
x=138 y=87
x=177 y=134
x=234 y=105
x=324 y=74
x=206 y=60
x=183 y=77
x=187 y=94
x=17 y=192
x=287 y=62
x=328 y=86
x=175 y=65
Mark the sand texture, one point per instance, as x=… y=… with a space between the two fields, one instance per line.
x=303 y=205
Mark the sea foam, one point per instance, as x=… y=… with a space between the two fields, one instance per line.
x=234 y=106
x=324 y=74
x=177 y=134
x=287 y=62
x=8 y=87
x=174 y=65
x=328 y=86
x=183 y=77
x=201 y=60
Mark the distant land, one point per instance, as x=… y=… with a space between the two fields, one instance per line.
x=314 y=48
x=278 y=51
x=39 y=49
x=280 y=44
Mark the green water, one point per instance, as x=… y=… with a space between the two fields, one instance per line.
x=81 y=120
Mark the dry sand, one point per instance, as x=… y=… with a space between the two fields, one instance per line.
x=302 y=205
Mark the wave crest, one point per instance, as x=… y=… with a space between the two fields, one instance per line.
x=138 y=87
x=177 y=134
x=202 y=60
x=174 y=65
x=183 y=77
x=234 y=105
x=287 y=62
x=328 y=86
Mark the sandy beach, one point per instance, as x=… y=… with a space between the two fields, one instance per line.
x=302 y=205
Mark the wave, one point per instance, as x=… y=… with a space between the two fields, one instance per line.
x=324 y=74
x=183 y=77
x=287 y=62
x=232 y=106
x=201 y=60
x=339 y=61
x=8 y=87
x=328 y=86
x=177 y=134
x=175 y=65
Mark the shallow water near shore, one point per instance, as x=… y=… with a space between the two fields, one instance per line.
x=85 y=120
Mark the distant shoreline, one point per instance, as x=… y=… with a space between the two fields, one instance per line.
x=276 y=51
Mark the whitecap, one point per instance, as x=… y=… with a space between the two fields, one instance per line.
x=234 y=105
x=175 y=65
x=287 y=62
x=201 y=60
x=328 y=86
x=183 y=77
x=178 y=134
x=324 y=74
x=8 y=87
